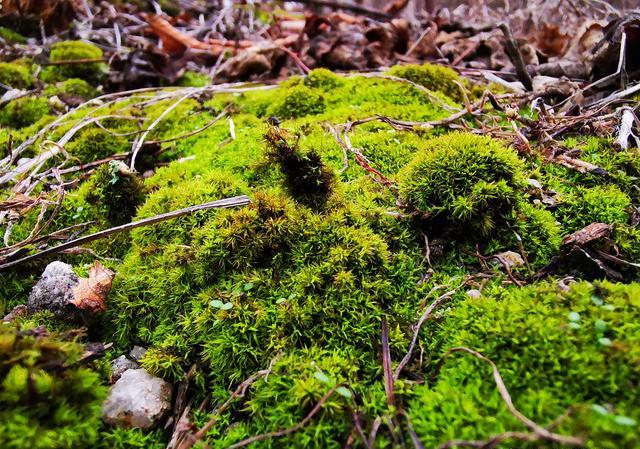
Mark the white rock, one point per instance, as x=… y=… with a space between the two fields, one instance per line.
x=474 y=293
x=138 y=399
x=137 y=353
x=120 y=365
x=54 y=291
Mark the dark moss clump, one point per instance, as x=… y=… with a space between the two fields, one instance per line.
x=70 y=51
x=465 y=180
x=554 y=349
x=47 y=401
x=299 y=101
x=434 y=77
x=23 y=112
x=71 y=90
x=94 y=144
x=117 y=191
x=11 y=36
x=15 y=75
x=308 y=179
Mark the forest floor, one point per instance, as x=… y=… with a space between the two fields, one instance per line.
x=395 y=253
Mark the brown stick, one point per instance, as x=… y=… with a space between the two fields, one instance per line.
x=236 y=201
x=374 y=13
x=516 y=57
x=292 y=429
x=386 y=364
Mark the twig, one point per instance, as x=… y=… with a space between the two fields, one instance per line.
x=292 y=429
x=386 y=364
x=539 y=431
x=242 y=200
x=516 y=57
x=374 y=13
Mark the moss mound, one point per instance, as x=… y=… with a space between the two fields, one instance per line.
x=434 y=77
x=15 y=75
x=24 y=112
x=47 y=400
x=464 y=179
x=73 y=51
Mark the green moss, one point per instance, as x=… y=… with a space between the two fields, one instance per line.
x=298 y=102
x=466 y=180
x=73 y=87
x=193 y=79
x=547 y=363
x=92 y=144
x=15 y=75
x=11 y=36
x=71 y=51
x=434 y=77
x=23 y=112
x=600 y=204
x=116 y=438
x=46 y=400
x=323 y=79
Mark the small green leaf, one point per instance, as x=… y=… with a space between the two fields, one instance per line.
x=322 y=377
x=597 y=301
x=601 y=326
x=574 y=325
x=292 y=296
x=248 y=286
x=216 y=303
x=344 y=391
x=226 y=306
x=600 y=410
x=574 y=316
x=604 y=341
x=609 y=307
x=280 y=300
x=624 y=421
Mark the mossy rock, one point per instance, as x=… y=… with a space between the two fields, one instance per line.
x=464 y=179
x=15 y=75
x=91 y=72
x=47 y=401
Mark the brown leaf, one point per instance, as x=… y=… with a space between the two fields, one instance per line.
x=91 y=293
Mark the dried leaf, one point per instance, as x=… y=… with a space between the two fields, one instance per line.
x=91 y=293
x=588 y=234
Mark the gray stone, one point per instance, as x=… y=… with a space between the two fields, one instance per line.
x=138 y=399
x=474 y=293
x=120 y=365
x=137 y=353
x=54 y=291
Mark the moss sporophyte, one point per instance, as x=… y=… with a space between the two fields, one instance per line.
x=298 y=282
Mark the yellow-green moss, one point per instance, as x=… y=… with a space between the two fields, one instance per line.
x=11 y=36
x=434 y=77
x=92 y=144
x=71 y=51
x=15 y=75
x=23 y=112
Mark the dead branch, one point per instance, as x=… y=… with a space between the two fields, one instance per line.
x=241 y=200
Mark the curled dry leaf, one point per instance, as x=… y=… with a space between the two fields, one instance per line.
x=91 y=293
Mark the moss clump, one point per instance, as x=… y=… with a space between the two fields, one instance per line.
x=116 y=438
x=93 y=144
x=308 y=179
x=554 y=349
x=298 y=102
x=73 y=87
x=23 y=112
x=116 y=191
x=434 y=77
x=463 y=179
x=193 y=79
x=323 y=79
x=600 y=204
x=70 y=51
x=11 y=36
x=46 y=400
x=15 y=75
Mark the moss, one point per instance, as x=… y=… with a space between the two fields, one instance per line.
x=92 y=144
x=47 y=400
x=466 y=180
x=15 y=75
x=553 y=348
x=193 y=79
x=298 y=102
x=24 y=112
x=116 y=438
x=600 y=204
x=434 y=77
x=92 y=72
x=11 y=36
x=73 y=87
x=323 y=79
x=308 y=179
